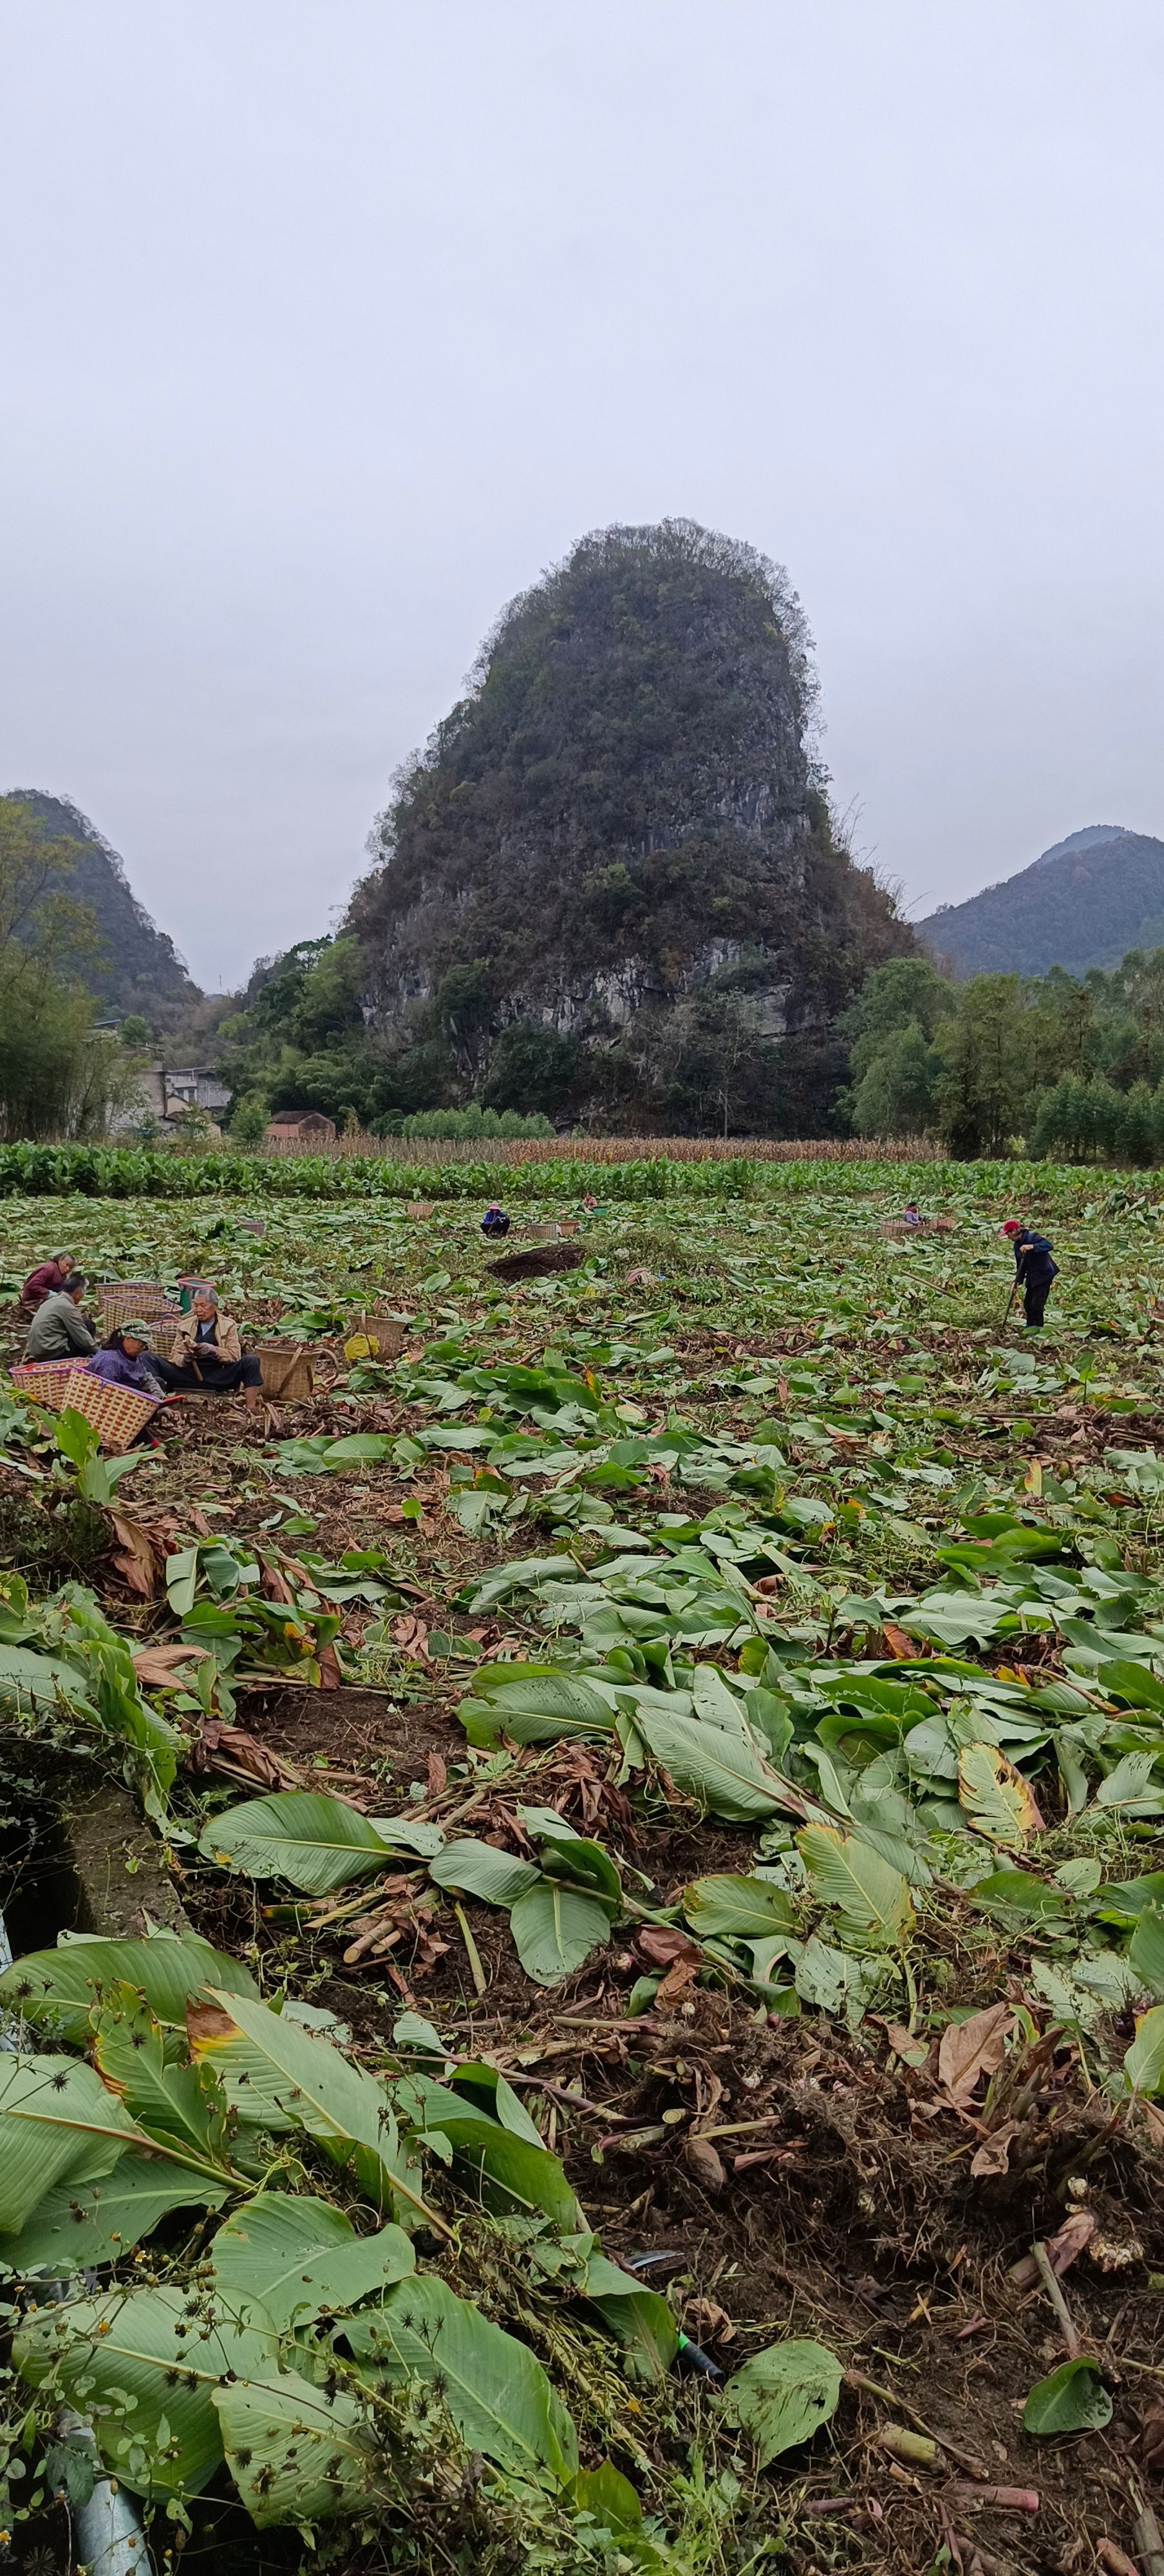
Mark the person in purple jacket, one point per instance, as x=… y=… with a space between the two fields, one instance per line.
x=125 y=1360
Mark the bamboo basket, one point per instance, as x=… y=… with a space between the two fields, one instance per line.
x=419 y=1207
x=117 y=1413
x=43 y=1381
x=289 y=1367
x=896 y=1226
x=123 y=1298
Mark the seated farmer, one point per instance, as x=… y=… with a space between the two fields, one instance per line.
x=58 y=1330
x=207 y=1352
x=126 y=1359
x=910 y=1214
x=495 y=1220
x=41 y=1283
x=1034 y=1269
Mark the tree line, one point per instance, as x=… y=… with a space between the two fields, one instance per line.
x=1070 y=1067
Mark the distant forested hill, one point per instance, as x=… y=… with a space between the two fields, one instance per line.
x=610 y=887
x=138 y=968
x=1084 y=903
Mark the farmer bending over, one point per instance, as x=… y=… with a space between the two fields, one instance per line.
x=207 y=1352
x=58 y=1330
x=125 y=1359
x=42 y=1283
x=1034 y=1269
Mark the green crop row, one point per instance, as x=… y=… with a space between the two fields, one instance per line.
x=122 y=1171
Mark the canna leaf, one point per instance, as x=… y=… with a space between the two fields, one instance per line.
x=870 y=1896
x=782 y=2396
x=56 y=1989
x=995 y=1796
x=314 y=1842
x=495 y=2389
x=303 y=2258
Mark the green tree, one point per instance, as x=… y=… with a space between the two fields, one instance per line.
x=894 y=1065
x=58 y=1075
x=986 y=1051
x=530 y=1067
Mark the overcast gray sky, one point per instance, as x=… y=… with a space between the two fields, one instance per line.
x=327 y=324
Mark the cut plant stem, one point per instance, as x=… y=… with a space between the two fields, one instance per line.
x=873 y=2388
x=476 y=1971
x=1055 y=2295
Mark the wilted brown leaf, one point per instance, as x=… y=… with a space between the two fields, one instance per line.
x=971 y=2049
x=994 y=2156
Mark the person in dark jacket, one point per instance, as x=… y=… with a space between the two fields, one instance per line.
x=494 y=1221
x=1034 y=1269
x=58 y=1330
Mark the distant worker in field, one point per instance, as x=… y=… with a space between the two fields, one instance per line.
x=495 y=1221
x=1034 y=1269
x=911 y=1214
x=207 y=1352
x=58 y=1330
x=44 y=1281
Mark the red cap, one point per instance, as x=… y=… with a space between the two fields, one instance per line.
x=1012 y=1226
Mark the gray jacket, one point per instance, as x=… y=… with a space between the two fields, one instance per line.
x=58 y=1329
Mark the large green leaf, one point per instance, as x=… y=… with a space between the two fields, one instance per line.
x=1072 y=2399
x=555 y=1928
x=1146 y=1949
x=725 y=1773
x=303 y=2258
x=56 y=1989
x=783 y=2395
x=296 y=2453
x=495 y=2389
x=144 y=2364
x=1128 y=1786
x=995 y=1796
x=540 y=1711
x=314 y=1842
x=38 y=1681
x=181 y=2105
x=730 y=1908
x=870 y=1896
x=77 y=2225
x=57 y=2123
x=1144 y=2060
x=639 y=2319
x=279 y=2077
x=511 y=2174
x=577 y=1861
x=477 y=1869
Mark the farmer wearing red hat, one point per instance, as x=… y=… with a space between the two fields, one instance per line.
x=1034 y=1269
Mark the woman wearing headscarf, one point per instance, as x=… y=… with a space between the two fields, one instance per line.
x=125 y=1359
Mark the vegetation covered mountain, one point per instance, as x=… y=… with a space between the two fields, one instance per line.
x=133 y=967
x=610 y=885
x=1083 y=903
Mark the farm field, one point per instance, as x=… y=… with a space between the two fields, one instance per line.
x=671 y=1768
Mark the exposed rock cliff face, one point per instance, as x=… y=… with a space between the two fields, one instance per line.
x=615 y=839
